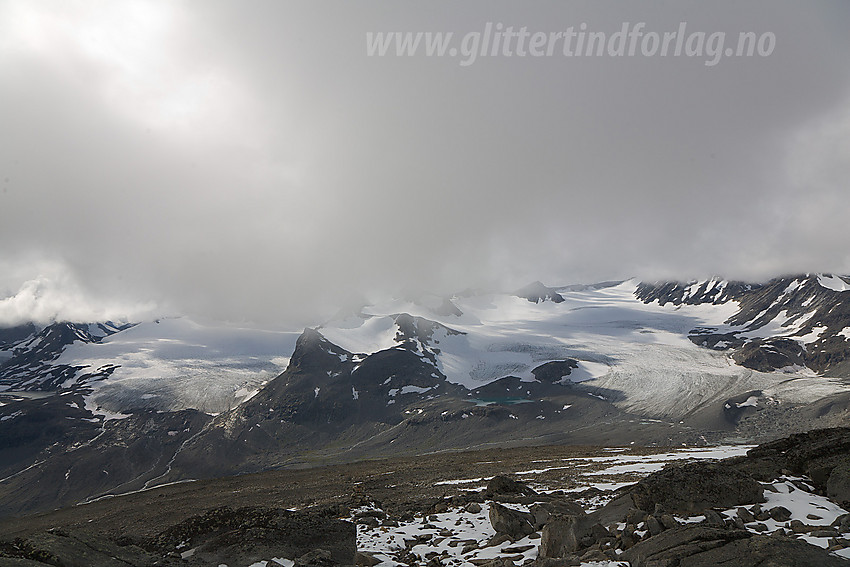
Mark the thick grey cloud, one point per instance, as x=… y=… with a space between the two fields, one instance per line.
x=248 y=160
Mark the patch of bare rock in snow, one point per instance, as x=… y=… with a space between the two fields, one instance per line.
x=784 y=504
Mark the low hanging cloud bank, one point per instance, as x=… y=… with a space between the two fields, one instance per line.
x=54 y=295
x=257 y=164
x=42 y=301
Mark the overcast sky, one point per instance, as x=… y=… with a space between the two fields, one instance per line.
x=248 y=160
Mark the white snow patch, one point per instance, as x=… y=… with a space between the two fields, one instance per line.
x=244 y=394
x=460 y=481
x=365 y=335
x=835 y=283
x=805 y=506
x=791 y=288
x=183 y=363
x=752 y=401
x=813 y=335
x=97 y=410
x=587 y=370
x=645 y=464
x=384 y=542
x=408 y=390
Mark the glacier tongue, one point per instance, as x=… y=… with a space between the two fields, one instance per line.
x=634 y=354
x=177 y=363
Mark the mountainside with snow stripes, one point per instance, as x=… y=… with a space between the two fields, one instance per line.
x=792 y=322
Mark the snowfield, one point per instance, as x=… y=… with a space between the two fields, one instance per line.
x=835 y=283
x=634 y=354
x=172 y=364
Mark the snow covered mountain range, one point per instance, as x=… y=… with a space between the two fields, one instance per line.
x=100 y=409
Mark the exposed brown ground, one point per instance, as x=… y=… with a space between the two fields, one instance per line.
x=395 y=482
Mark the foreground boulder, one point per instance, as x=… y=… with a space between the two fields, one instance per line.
x=691 y=488
x=763 y=551
x=672 y=546
x=838 y=484
x=703 y=546
x=814 y=454
x=246 y=535
x=72 y=549
x=504 y=485
x=545 y=511
x=561 y=537
x=516 y=525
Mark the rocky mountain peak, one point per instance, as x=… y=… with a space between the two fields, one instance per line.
x=537 y=292
x=314 y=352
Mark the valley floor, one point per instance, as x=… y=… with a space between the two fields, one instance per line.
x=400 y=484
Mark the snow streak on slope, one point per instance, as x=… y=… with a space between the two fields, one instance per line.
x=360 y=334
x=634 y=354
x=835 y=283
x=173 y=364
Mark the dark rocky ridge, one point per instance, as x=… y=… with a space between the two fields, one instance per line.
x=693 y=487
x=537 y=292
x=11 y=335
x=30 y=351
x=802 y=299
x=394 y=401
x=822 y=455
x=219 y=536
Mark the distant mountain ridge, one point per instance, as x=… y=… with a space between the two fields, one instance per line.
x=618 y=362
x=30 y=354
x=786 y=322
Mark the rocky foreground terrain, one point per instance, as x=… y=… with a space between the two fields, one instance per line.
x=783 y=503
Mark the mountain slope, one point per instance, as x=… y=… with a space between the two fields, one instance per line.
x=791 y=322
x=332 y=404
x=30 y=361
x=614 y=363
